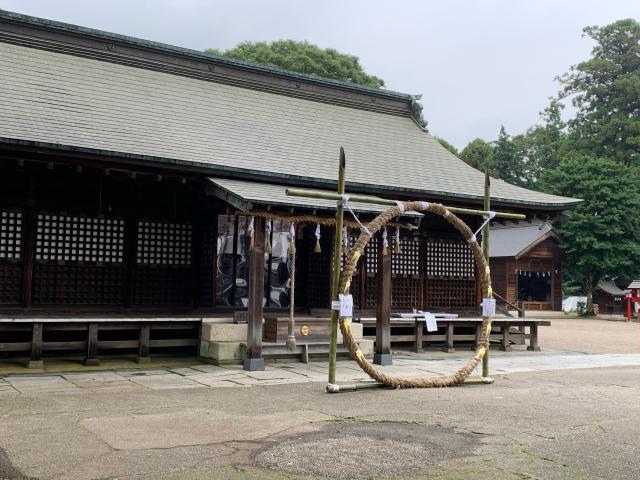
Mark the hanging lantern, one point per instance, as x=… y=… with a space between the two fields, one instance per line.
x=317 y=248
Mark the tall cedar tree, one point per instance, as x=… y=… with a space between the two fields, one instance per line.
x=606 y=93
x=602 y=238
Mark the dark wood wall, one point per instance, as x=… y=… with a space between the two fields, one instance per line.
x=544 y=257
x=90 y=239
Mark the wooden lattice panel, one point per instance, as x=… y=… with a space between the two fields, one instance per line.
x=448 y=259
x=10 y=283
x=164 y=243
x=371 y=269
x=10 y=235
x=155 y=286
x=70 y=238
x=405 y=271
x=450 y=294
x=77 y=284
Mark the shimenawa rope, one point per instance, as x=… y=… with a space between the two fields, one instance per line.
x=484 y=277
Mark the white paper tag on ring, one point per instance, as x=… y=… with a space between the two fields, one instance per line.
x=430 y=321
x=346 y=305
x=489 y=307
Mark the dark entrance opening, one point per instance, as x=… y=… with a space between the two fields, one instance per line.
x=534 y=286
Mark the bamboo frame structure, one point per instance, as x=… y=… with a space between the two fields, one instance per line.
x=332 y=387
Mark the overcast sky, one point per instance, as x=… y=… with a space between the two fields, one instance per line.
x=478 y=63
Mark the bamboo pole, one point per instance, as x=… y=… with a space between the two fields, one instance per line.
x=485 y=250
x=295 y=192
x=337 y=254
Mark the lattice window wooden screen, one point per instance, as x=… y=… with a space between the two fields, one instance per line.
x=448 y=259
x=405 y=271
x=66 y=238
x=163 y=243
x=78 y=260
x=11 y=225
x=371 y=269
x=10 y=235
x=449 y=275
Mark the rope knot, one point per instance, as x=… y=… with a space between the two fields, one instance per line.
x=401 y=206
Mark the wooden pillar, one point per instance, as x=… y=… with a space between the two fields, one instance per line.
x=448 y=344
x=144 y=338
x=130 y=251
x=28 y=235
x=92 y=345
x=505 y=344
x=196 y=258
x=419 y=333
x=382 y=355
x=35 y=360
x=533 y=338
x=254 y=360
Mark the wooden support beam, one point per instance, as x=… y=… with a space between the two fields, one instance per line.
x=533 y=340
x=29 y=236
x=35 y=360
x=382 y=355
x=448 y=343
x=254 y=360
x=92 y=345
x=419 y=335
x=505 y=343
x=144 y=341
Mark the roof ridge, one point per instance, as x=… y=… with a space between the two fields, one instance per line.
x=173 y=49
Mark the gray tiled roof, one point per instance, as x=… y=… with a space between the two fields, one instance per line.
x=634 y=284
x=610 y=287
x=59 y=99
x=272 y=194
x=513 y=238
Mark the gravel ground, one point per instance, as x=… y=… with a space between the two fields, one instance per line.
x=355 y=449
x=590 y=335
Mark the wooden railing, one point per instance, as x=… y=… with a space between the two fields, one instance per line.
x=519 y=308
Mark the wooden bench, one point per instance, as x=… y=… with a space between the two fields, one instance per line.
x=30 y=333
x=509 y=329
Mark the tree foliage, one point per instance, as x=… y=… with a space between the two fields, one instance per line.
x=303 y=57
x=606 y=92
x=602 y=237
x=594 y=156
x=479 y=154
x=447 y=145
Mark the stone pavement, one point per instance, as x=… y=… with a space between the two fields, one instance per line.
x=233 y=376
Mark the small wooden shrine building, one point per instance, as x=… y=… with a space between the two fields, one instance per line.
x=610 y=298
x=526 y=264
x=132 y=173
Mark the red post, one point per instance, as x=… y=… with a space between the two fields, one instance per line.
x=628 y=297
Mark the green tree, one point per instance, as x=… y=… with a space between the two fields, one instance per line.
x=479 y=154
x=508 y=164
x=602 y=237
x=606 y=92
x=542 y=146
x=447 y=145
x=303 y=57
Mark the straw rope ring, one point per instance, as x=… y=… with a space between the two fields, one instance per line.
x=485 y=287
